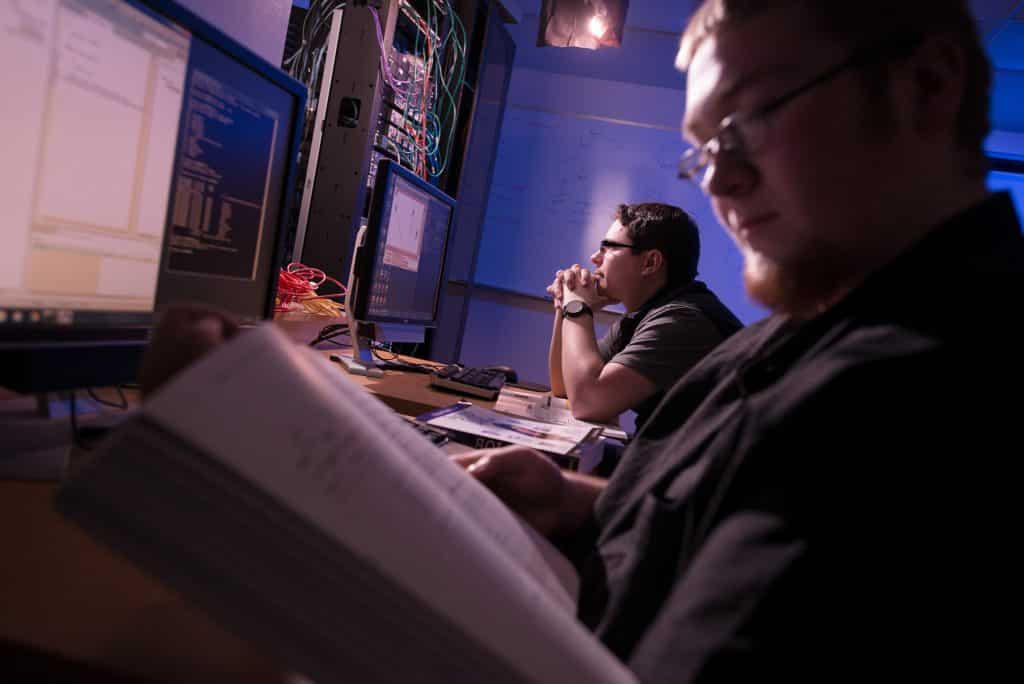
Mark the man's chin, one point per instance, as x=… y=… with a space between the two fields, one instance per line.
x=794 y=290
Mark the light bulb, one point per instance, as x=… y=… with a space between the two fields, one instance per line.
x=597 y=26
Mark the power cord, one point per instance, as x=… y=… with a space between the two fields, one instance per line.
x=329 y=332
x=396 y=363
x=83 y=439
x=87 y=437
x=123 y=404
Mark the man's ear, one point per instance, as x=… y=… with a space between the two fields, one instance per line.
x=653 y=260
x=939 y=80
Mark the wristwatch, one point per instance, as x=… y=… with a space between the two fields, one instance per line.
x=576 y=308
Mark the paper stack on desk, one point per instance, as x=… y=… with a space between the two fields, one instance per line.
x=304 y=515
x=545 y=408
x=484 y=429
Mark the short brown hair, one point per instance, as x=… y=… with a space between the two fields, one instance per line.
x=868 y=22
x=668 y=229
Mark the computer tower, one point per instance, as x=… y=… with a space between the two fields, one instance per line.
x=358 y=118
x=340 y=139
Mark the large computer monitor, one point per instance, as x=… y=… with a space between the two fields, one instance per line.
x=398 y=266
x=146 y=158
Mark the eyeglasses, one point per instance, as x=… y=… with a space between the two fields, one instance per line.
x=742 y=134
x=611 y=244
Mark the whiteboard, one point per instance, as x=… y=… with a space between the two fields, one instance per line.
x=557 y=180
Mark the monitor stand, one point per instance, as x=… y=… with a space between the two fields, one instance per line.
x=361 y=362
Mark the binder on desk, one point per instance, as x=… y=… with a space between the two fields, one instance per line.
x=569 y=445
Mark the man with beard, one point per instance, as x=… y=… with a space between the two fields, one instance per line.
x=827 y=495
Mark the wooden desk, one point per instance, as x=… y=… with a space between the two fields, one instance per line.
x=61 y=592
x=407 y=393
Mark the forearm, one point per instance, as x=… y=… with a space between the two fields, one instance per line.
x=581 y=360
x=555 y=358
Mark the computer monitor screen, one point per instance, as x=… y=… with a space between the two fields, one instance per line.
x=402 y=261
x=147 y=158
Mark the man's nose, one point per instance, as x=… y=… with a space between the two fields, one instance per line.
x=729 y=175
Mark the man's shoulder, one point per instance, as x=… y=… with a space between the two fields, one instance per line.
x=676 y=307
x=874 y=372
x=681 y=306
x=679 y=321
x=697 y=300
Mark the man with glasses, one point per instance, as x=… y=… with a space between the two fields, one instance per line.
x=829 y=494
x=648 y=263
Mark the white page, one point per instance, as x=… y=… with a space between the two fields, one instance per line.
x=548 y=409
x=282 y=420
x=475 y=420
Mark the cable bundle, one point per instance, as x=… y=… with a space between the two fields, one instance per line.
x=306 y=62
x=297 y=290
x=428 y=115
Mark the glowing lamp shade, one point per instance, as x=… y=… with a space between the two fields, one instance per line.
x=589 y=24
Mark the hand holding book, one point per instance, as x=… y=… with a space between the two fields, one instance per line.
x=183 y=335
x=555 y=502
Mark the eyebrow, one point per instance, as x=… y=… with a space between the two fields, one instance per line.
x=756 y=76
x=777 y=71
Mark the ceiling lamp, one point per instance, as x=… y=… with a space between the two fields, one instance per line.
x=587 y=24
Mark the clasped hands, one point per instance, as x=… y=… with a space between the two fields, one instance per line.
x=575 y=283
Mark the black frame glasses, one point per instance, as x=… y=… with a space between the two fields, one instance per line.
x=743 y=133
x=612 y=244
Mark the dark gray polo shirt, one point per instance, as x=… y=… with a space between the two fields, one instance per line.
x=667 y=336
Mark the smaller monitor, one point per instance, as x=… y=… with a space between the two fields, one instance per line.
x=398 y=265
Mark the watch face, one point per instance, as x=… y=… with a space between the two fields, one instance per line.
x=575 y=308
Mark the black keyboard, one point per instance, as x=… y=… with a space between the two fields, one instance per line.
x=392 y=364
x=478 y=382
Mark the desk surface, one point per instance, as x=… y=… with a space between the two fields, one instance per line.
x=407 y=393
x=61 y=592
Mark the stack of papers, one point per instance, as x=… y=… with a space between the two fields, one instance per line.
x=548 y=409
x=483 y=428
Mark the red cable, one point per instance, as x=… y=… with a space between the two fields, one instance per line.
x=298 y=283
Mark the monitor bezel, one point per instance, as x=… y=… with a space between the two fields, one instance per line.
x=130 y=335
x=366 y=256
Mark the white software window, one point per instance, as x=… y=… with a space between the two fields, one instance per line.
x=404 y=241
x=88 y=144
